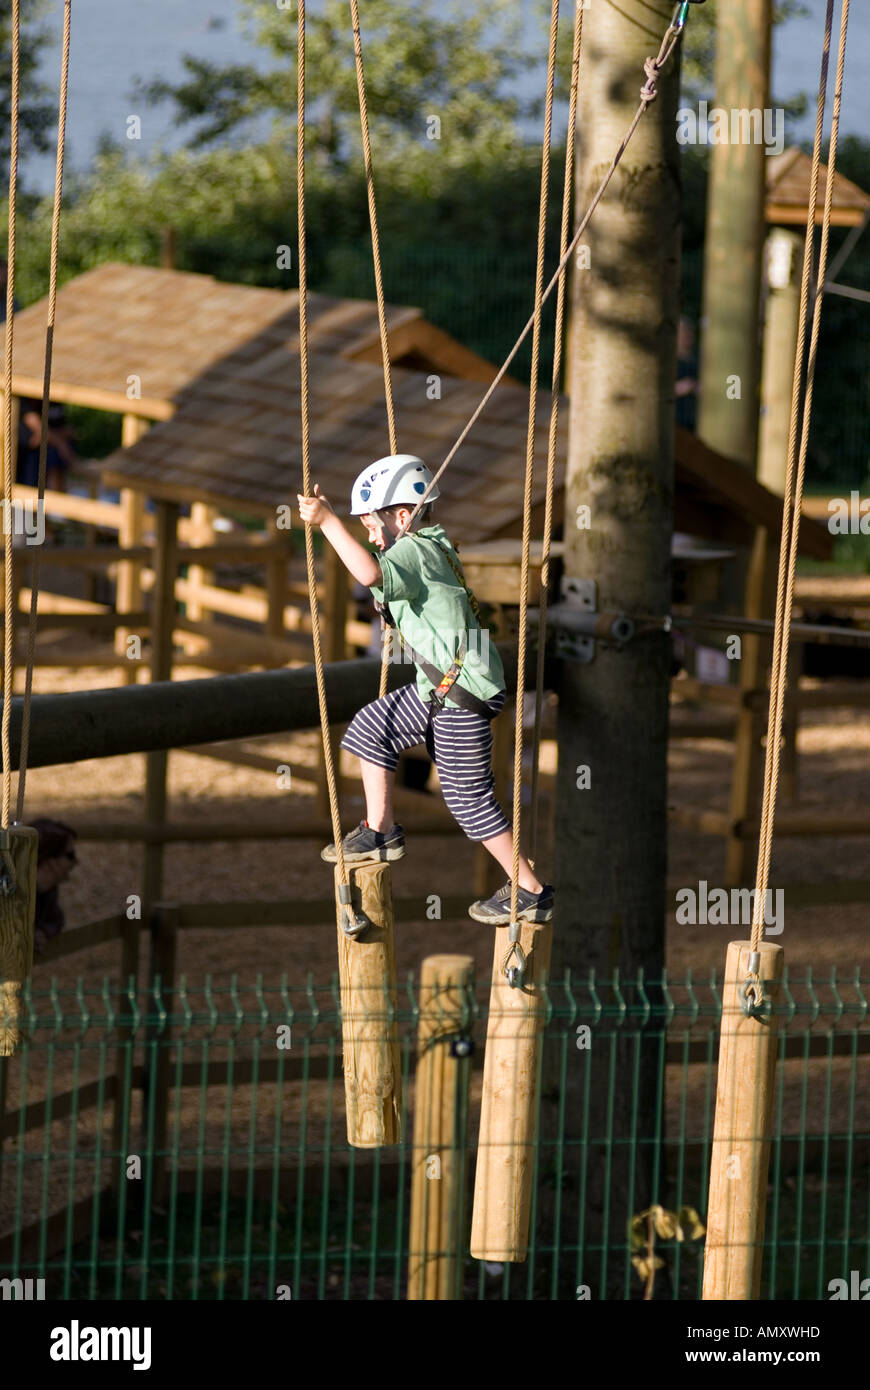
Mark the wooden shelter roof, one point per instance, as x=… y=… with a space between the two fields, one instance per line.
x=788 y=192
x=219 y=370
x=235 y=440
x=169 y=328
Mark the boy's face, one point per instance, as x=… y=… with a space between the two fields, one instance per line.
x=383 y=526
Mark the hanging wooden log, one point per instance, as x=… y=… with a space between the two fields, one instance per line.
x=440 y=1111
x=370 y=1033
x=18 y=871
x=734 y=1248
x=509 y=1109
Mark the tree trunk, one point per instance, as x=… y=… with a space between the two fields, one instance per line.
x=611 y=838
x=731 y=327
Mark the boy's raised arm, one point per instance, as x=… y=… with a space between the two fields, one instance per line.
x=361 y=563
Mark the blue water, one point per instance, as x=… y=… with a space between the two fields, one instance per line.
x=116 y=41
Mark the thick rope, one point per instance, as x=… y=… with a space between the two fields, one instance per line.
x=530 y=459
x=652 y=68
x=306 y=454
x=46 y=391
x=8 y=448
x=379 y=286
x=554 y=425
x=795 y=470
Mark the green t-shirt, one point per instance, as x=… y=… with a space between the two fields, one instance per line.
x=431 y=611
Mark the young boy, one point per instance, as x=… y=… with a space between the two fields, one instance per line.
x=460 y=680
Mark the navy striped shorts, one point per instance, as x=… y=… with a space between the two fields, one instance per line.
x=379 y=732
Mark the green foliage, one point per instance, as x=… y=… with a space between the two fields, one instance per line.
x=37 y=111
x=422 y=58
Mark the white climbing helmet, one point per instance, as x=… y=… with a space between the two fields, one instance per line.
x=394 y=481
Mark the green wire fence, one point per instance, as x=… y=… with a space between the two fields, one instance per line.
x=189 y=1143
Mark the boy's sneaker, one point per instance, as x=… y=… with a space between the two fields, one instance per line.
x=364 y=844
x=531 y=907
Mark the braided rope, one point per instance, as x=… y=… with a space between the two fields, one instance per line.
x=306 y=453
x=554 y=424
x=46 y=391
x=530 y=458
x=796 y=468
x=8 y=454
x=386 y=635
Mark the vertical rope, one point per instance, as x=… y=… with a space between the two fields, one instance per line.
x=570 y=141
x=530 y=458
x=648 y=94
x=46 y=391
x=306 y=451
x=797 y=463
x=379 y=285
x=8 y=451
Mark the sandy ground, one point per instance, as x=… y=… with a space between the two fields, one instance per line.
x=834 y=772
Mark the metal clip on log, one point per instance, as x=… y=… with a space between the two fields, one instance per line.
x=752 y=991
x=353 y=923
x=515 y=974
x=8 y=881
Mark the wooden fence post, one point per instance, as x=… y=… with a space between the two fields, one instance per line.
x=509 y=1109
x=370 y=1033
x=440 y=1114
x=162 y=626
x=128 y=592
x=748 y=753
x=164 y=943
x=202 y=532
x=734 y=1246
x=16 y=931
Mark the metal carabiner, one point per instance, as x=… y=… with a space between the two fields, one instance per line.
x=515 y=974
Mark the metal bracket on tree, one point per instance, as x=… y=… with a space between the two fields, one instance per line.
x=578 y=624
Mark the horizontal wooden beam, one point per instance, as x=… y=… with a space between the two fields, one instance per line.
x=69 y=727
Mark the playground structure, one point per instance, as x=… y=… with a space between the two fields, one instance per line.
x=500 y=1228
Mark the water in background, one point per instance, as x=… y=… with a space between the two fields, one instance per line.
x=113 y=43
x=116 y=41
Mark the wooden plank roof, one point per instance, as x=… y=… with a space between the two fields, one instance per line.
x=788 y=192
x=235 y=439
x=167 y=328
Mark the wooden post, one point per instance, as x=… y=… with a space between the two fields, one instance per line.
x=128 y=597
x=509 y=1109
x=741 y=1134
x=334 y=649
x=730 y=342
x=202 y=517
x=748 y=753
x=16 y=931
x=276 y=583
x=162 y=624
x=789 y=763
x=164 y=939
x=784 y=254
x=440 y=1109
x=367 y=973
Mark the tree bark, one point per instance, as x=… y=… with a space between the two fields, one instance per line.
x=611 y=838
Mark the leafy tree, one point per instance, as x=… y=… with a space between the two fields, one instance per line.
x=37 y=110
x=422 y=59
